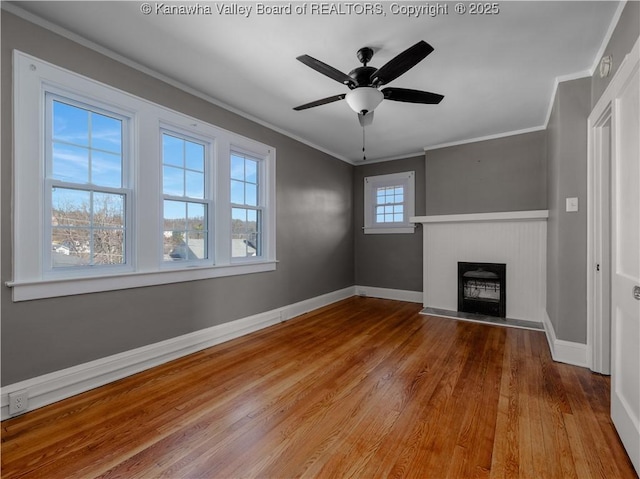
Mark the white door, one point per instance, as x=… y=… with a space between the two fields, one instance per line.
x=625 y=264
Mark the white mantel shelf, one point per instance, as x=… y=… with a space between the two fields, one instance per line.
x=501 y=216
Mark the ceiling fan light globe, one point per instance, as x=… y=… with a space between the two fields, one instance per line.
x=364 y=99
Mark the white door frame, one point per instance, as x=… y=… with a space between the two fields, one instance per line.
x=598 y=244
x=598 y=219
x=624 y=415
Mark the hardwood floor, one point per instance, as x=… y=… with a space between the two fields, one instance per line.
x=364 y=388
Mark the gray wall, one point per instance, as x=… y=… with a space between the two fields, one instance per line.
x=388 y=260
x=567 y=232
x=314 y=236
x=505 y=174
x=567 y=177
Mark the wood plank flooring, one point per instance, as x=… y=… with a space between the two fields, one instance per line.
x=364 y=388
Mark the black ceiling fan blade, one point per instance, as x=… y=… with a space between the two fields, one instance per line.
x=411 y=96
x=323 y=101
x=401 y=63
x=327 y=70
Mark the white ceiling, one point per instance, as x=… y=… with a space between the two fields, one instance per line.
x=497 y=72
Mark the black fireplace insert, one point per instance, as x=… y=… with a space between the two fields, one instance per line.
x=482 y=288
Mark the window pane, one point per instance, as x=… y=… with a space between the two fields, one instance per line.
x=237 y=167
x=174 y=245
x=183 y=167
x=196 y=245
x=108 y=210
x=70 y=247
x=196 y=219
x=175 y=215
x=194 y=184
x=175 y=227
x=237 y=192
x=106 y=133
x=70 y=124
x=246 y=237
x=173 y=181
x=194 y=153
x=70 y=163
x=185 y=231
x=251 y=171
x=251 y=195
x=70 y=207
x=172 y=150
x=86 y=147
x=87 y=228
x=108 y=246
x=106 y=169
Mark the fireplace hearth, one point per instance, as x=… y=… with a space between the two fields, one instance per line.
x=482 y=288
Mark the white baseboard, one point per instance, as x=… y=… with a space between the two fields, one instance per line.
x=58 y=385
x=386 y=293
x=564 y=351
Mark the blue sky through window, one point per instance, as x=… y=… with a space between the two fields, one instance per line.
x=87 y=146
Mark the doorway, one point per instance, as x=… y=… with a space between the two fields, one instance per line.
x=599 y=244
x=613 y=300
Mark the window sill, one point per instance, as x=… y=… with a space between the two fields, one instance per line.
x=28 y=290
x=389 y=230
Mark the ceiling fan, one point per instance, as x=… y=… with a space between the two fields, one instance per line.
x=364 y=82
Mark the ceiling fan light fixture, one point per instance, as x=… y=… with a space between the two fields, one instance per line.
x=364 y=99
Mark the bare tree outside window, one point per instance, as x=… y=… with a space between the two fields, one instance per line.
x=87 y=228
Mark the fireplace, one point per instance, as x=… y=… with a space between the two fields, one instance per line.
x=482 y=288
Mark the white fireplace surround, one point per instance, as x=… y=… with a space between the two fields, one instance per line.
x=517 y=238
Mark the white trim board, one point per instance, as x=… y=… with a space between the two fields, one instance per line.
x=387 y=293
x=563 y=351
x=498 y=216
x=58 y=385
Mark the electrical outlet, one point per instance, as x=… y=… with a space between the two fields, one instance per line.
x=18 y=402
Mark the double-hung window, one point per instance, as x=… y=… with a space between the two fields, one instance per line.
x=185 y=198
x=113 y=191
x=389 y=203
x=246 y=206
x=86 y=194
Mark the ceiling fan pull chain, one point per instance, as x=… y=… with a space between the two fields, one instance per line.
x=364 y=157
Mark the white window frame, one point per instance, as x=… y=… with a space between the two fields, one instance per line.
x=48 y=271
x=209 y=180
x=32 y=79
x=261 y=200
x=371 y=184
